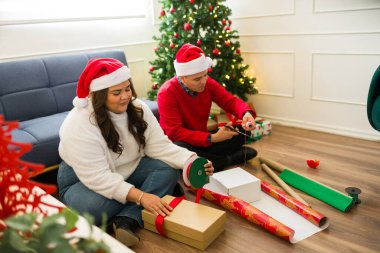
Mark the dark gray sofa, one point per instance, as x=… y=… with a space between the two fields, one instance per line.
x=39 y=93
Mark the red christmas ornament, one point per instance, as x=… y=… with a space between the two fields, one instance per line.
x=227 y=43
x=230 y=22
x=155 y=86
x=312 y=163
x=227 y=28
x=172 y=10
x=155 y=48
x=187 y=27
x=209 y=70
x=199 y=42
x=172 y=45
x=191 y=1
x=151 y=69
x=210 y=7
x=224 y=22
x=238 y=51
x=216 y=51
x=162 y=13
x=175 y=35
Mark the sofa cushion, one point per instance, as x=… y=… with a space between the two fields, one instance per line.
x=43 y=133
x=25 y=83
x=63 y=73
x=29 y=104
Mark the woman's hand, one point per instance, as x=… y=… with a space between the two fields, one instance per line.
x=155 y=204
x=209 y=168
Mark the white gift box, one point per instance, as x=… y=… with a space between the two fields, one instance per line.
x=236 y=182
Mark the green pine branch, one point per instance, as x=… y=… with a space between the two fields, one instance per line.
x=205 y=24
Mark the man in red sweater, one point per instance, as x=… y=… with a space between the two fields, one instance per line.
x=184 y=104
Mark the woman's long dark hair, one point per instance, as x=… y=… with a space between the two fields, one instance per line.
x=136 y=124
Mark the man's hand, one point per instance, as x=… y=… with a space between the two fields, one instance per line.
x=223 y=134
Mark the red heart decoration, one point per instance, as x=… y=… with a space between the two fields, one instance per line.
x=312 y=163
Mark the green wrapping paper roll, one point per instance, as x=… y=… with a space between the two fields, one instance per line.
x=196 y=173
x=317 y=190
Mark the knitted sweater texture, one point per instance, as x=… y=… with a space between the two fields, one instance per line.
x=184 y=117
x=83 y=147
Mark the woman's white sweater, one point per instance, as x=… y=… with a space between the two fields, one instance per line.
x=83 y=147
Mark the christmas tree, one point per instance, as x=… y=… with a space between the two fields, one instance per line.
x=204 y=23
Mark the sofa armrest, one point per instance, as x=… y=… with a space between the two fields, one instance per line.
x=153 y=107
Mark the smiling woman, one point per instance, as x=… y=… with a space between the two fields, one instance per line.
x=44 y=11
x=118 y=97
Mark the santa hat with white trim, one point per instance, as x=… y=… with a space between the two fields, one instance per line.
x=99 y=74
x=190 y=60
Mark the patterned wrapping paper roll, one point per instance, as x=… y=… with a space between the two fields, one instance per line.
x=305 y=211
x=249 y=213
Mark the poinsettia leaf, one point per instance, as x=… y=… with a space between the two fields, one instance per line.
x=92 y=246
x=103 y=226
x=71 y=218
x=21 y=223
x=63 y=246
x=53 y=234
x=13 y=242
x=5 y=247
x=49 y=221
x=52 y=230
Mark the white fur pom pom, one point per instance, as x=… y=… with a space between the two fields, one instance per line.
x=80 y=102
x=210 y=62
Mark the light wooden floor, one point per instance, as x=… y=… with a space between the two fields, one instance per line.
x=344 y=162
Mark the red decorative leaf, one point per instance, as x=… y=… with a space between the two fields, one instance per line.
x=16 y=188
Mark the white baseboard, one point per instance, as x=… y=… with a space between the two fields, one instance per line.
x=366 y=135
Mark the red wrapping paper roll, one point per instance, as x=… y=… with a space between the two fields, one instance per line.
x=305 y=211
x=250 y=213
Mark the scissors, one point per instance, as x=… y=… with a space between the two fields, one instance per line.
x=235 y=130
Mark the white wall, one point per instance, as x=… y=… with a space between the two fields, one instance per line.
x=313 y=59
x=20 y=39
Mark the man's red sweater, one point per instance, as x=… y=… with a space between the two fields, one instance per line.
x=184 y=117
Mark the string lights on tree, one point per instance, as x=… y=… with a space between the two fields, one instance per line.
x=204 y=23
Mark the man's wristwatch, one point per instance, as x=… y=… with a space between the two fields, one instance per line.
x=209 y=138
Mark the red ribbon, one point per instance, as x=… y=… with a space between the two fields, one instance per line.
x=160 y=219
x=199 y=190
x=199 y=195
x=231 y=117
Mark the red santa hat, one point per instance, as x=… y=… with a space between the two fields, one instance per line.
x=190 y=60
x=99 y=74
